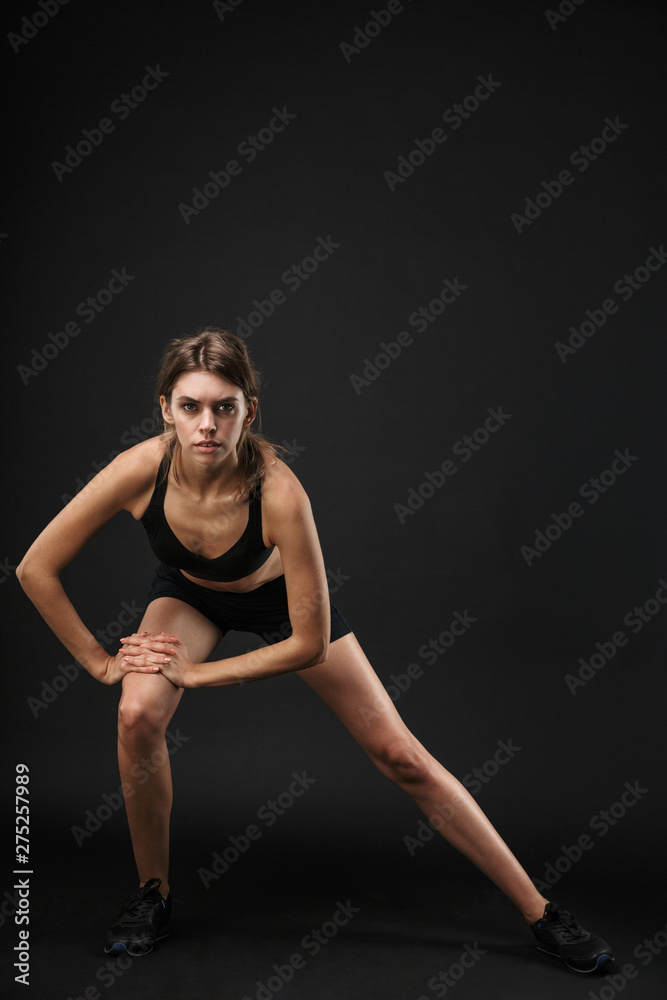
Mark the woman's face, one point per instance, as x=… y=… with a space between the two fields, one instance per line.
x=208 y=414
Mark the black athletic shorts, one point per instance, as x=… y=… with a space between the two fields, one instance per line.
x=263 y=611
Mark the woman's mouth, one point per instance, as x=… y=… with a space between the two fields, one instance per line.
x=207 y=446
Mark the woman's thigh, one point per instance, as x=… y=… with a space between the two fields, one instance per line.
x=153 y=692
x=348 y=684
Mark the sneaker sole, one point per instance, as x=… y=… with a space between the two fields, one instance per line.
x=118 y=948
x=601 y=962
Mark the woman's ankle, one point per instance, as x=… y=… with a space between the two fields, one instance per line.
x=164 y=888
x=535 y=912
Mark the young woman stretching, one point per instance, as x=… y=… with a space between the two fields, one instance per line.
x=234 y=531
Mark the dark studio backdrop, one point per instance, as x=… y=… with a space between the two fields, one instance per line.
x=440 y=228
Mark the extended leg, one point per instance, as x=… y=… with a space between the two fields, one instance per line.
x=349 y=685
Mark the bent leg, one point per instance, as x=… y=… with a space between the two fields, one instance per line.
x=147 y=705
x=349 y=685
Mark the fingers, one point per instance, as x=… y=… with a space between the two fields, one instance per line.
x=139 y=637
x=147 y=653
x=161 y=643
x=149 y=646
x=146 y=657
x=143 y=663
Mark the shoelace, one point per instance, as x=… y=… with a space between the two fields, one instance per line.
x=138 y=906
x=571 y=931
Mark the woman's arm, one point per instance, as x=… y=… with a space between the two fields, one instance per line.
x=112 y=490
x=290 y=525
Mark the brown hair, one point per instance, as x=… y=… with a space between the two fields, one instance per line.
x=222 y=353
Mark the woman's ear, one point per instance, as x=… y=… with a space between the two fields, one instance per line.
x=251 y=412
x=166 y=410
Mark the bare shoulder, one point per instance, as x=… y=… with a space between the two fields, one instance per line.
x=136 y=469
x=126 y=480
x=141 y=458
x=282 y=493
x=121 y=485
x=289 y=523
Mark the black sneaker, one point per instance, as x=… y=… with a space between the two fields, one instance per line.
x=143 y=920
x=558 y=933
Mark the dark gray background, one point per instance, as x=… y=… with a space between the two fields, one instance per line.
x=357 y=455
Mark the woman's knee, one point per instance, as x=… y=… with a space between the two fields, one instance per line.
x=403 y=760
x=142 y=712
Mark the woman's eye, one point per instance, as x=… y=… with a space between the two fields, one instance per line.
x=223 y=407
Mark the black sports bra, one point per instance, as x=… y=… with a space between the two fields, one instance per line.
x=244 y=557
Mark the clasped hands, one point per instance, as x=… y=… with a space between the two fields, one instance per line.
x=161 y=652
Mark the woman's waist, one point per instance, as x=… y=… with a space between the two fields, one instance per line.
x=271 y=570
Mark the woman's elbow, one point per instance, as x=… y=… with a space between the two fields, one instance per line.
x=322 y=653
x=22 y=572
x=314 y=653
x=29 y=572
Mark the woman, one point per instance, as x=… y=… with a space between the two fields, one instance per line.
x=234 y=531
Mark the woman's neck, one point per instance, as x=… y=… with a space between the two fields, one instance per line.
x=209 y=480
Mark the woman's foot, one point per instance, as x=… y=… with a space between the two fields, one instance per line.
x=558 y=933
x=143 y=920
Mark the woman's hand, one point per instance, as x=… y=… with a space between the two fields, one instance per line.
x=159 y=652
x=114 y=668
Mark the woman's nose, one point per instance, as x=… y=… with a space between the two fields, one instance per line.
x=207 y=422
